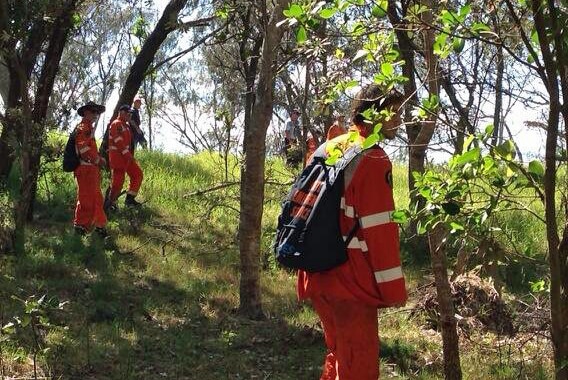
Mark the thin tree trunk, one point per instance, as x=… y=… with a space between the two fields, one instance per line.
x=166 y=24
x=448 y=324
x=252 y=174
x=497 y=124
x=436 y=237
x=34 y=129
x=557 y=251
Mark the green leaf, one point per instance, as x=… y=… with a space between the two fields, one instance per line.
x=26 y=319
x=371 y=140
x=9 y=328
x=400 y=216
x=301 y=35
x=536 y=168
x=458 y=45
x=469 y=156
x=387 y=68
x=465 y=10
x=506 y=150
x=327 y=13
x=479 y=27
x=456 y=227
x=379 y=10
x=360 y=54
x=295 y=11
x=534 y=37
x=467 y=143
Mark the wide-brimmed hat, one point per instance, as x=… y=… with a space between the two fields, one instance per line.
x=97 y=108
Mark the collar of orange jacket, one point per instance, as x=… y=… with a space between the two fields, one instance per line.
x=87 y=122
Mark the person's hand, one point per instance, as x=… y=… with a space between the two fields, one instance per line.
x=144 y=143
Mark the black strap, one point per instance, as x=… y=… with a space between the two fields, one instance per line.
x=351 y=234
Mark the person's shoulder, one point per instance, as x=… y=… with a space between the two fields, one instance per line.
x=375 y=156
x=83 y=128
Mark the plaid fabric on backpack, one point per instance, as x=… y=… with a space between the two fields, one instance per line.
x=308 y=235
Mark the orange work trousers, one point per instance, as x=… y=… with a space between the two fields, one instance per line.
x=89 y=210
x=134 y=173
x=351 y=336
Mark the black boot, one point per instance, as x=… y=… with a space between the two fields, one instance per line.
x=109 y=205
x=130 y=201
x=102 y=232
x=80 y=230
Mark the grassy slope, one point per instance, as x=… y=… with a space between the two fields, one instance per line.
x=162 y=305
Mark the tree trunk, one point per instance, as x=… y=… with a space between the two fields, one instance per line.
x=497 y=124
x=138 y=70
x=448 y=324
x=252 y=174
x=20 y=65
x=555 y=70
x=417 y=243
x=436 y=237
x=34 y=135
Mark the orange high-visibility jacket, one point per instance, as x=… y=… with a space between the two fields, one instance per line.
x=86 y=144
x=119 y=141
x=373 y=273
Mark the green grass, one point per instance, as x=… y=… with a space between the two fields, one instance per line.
x=162 y=303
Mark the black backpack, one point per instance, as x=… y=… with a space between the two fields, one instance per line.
x=71 y=159
x=308 y=235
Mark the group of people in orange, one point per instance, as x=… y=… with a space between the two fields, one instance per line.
x=124 y=133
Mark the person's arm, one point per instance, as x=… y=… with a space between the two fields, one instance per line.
x=85 y=146
x=117 y=137
x=374 y=206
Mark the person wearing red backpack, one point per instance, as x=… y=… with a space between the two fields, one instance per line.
x=346 y=298
x=121 y=159
x=89 y=209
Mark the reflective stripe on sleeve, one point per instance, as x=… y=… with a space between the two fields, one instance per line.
x=118 y=139
x=84 y=149
x=357 y=244
x=376 y=219
x=125 y=151
x=388 y=275
x=349 y=210
x=112 y=147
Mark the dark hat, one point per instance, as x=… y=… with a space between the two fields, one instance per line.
x=90 y=105
x=125 y=107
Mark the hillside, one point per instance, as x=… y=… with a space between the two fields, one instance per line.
x=161 y=303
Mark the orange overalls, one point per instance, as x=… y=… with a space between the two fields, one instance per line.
x=346 y=298
x=89 y=210
x=311 y=146
x=121 y=161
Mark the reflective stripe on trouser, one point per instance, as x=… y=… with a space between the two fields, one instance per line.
x=89 y=210
x=351 y=336
x=134 y=174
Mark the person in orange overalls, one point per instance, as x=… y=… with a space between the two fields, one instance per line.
x=346 y=298
x=89 y=210
x=311 y=145
x=121 y=159
x=337 y=128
